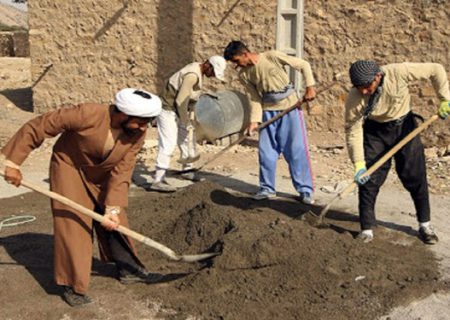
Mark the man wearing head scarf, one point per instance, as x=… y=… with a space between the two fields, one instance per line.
x=270 y=92
x=378 y=115
x=174 y=123
x=92 y=163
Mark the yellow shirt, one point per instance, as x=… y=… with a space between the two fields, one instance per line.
x=269 y=75
x=394 y=100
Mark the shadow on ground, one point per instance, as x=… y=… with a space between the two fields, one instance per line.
x=22 y=98
x=339 y=221
x=285 y=203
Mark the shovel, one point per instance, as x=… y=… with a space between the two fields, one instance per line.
x=260 y=127
x=128 y=232
x=317 y=221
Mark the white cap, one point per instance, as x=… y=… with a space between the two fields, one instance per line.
x=219 y=64
x=138 y=103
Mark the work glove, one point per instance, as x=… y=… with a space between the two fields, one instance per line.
x=360 y=169
x=444 y=109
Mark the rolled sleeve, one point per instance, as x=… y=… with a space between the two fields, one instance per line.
x=10 y=164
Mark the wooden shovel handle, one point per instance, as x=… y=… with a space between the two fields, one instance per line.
x=244 y=136
x=97 y=217
x=401 y=144
x=398 y=146
x=221 y=152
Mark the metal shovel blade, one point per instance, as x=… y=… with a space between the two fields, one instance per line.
x=188 y=159
x=187 y=170
x=197 y=257
x=314 y=220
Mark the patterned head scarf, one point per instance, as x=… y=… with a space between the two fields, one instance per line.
x=363 y=72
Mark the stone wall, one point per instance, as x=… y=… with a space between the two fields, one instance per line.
x=388 y=31
x=97 y=47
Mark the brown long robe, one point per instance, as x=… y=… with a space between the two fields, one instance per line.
x=79 y=171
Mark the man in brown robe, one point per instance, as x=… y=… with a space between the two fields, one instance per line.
x=91 y=164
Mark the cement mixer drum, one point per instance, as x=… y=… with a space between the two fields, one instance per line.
x=220 y=114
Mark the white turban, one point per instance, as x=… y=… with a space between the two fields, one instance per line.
x=138 y=103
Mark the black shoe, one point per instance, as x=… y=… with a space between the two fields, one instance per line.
x=75 y=299
x=427 y=235
x=141 y=277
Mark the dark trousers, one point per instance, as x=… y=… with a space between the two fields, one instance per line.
x=409 y=164
x=120 y=252
x=122 y=255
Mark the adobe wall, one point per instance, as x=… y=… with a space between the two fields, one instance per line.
x=388 y=31
x=98 y=47
x=94 y=48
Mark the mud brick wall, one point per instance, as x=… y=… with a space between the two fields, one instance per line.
x=388 y=31
x=97 y=47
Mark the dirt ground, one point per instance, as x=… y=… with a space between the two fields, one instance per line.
x=272 y=264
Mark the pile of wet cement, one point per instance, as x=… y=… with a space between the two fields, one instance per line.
x=273 y=266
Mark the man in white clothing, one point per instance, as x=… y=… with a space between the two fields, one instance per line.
x=174 y=122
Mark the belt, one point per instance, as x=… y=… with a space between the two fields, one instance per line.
x=393 y=123
x=275 y=96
